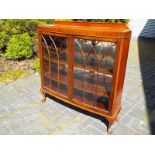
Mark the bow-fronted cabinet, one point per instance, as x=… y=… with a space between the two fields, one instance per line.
x=84 y=64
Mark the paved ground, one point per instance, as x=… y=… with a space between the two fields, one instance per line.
x=22 y=113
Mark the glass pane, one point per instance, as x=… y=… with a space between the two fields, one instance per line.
x=46 y=82
x=93 y=67
x=46 y=68
x=45 y=52
x=55 y=52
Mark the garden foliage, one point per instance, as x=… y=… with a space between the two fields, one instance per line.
x=19 y=47
x=36 y=65
x=10 y=31
x=18 y=35
x=3 y=39
x=104 y=20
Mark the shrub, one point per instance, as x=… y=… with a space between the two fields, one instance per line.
x=104 y=20
x=19 y=26
x=19 y=47
x=3 y=39
x=12 y=27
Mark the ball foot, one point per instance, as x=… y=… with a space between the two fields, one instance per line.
x=110 y=132
x=42 y=97
x=109 y=128
x=117 y=119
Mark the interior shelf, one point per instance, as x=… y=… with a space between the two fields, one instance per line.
x=55 y=60
x=51 y=48
x=80 y=66
x=92 y=73
x=64 y=51
x=93 y=103
x=80 y=94
x=93 y=69
x=84 y=83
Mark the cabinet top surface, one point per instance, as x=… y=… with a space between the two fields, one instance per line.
x=109 y=30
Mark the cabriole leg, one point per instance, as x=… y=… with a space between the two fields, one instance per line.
x=42 y=96
x=109 y=127
x=117 y=119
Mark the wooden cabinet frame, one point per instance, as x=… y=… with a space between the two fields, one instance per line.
x=118 y=34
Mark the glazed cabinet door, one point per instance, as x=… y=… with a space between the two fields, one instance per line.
x=93 y=72
x=55 y=63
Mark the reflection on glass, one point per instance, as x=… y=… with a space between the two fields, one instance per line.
x=55 y=65
x=93 y=67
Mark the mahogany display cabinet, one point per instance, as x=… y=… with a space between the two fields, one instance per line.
x=84 y=64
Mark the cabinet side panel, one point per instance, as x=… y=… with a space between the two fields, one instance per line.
x=123 y=55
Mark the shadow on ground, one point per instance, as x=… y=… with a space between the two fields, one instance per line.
x=102 y=119
x=146 y=47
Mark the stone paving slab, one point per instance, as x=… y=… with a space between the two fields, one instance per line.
x=21 y=111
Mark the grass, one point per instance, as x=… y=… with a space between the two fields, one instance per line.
x=1 y=55
x=36 y=65
x=12 y=75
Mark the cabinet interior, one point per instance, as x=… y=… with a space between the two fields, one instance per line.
x=93 y=64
